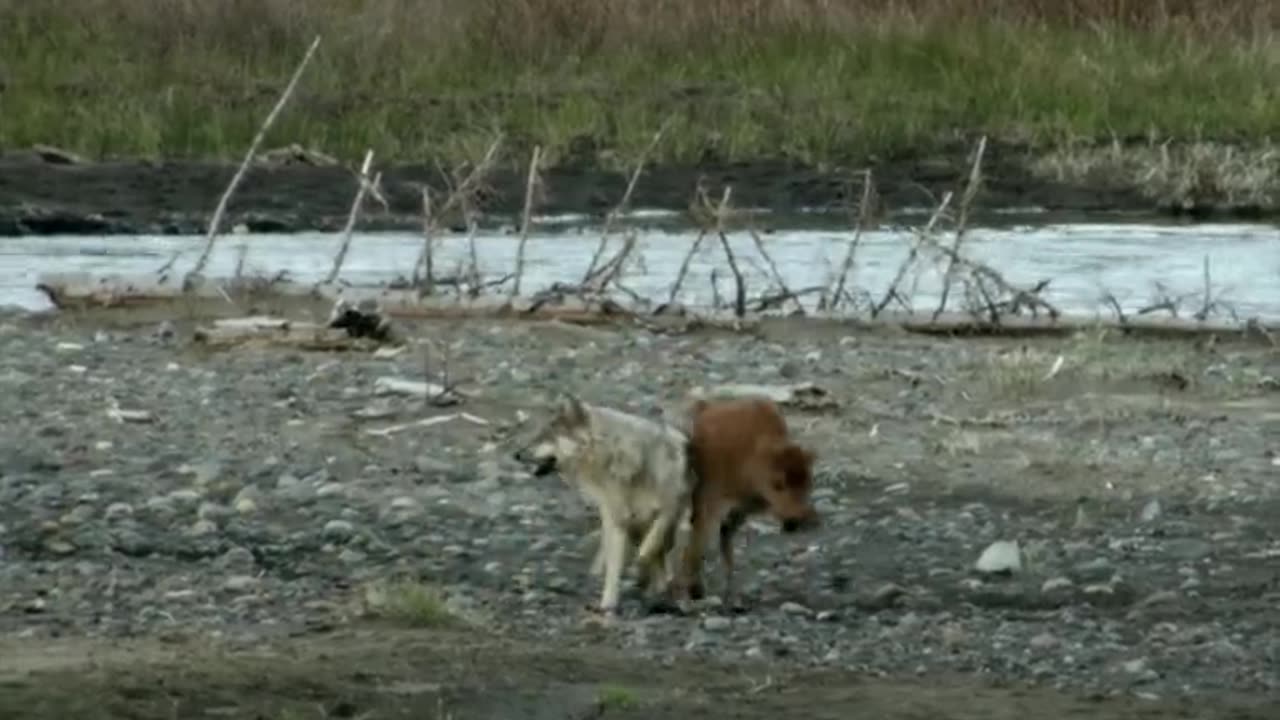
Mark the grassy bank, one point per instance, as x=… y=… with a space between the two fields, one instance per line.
x=818 y=81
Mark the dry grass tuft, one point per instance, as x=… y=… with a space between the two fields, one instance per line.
x=409 y=603
x=1176 y=175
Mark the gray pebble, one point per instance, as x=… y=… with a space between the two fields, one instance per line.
x=339 y=530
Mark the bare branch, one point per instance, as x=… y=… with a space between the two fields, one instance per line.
x=236 y=179
x=620 y=208
x=349 y=228
x=970 y=192
x=863 y=220
x=525 y=217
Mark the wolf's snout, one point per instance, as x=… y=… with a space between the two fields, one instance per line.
x=541 y=465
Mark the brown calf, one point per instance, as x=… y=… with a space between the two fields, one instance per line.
x=746 y=464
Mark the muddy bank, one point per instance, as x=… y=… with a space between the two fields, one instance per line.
x=39 y=196
x=384 y=672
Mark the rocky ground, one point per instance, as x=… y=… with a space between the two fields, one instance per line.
x=238 y=533
x=46 y=194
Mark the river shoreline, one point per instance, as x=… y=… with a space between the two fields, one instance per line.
x=42 y=194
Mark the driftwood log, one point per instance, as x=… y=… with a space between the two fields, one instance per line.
x=81 y=291
x=277 y=331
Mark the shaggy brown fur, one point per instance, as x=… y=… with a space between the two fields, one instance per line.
x=746 y=463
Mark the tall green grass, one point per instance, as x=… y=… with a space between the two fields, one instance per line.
x=820 y=81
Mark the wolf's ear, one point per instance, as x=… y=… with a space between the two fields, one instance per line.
x=572 y=409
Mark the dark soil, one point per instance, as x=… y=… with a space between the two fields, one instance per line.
x=39 y=195
x=237 y=551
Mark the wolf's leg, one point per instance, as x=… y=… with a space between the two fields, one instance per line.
x=597 y=564
x=653 y=548
x=615 y=551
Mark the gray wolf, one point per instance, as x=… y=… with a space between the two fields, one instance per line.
x=636 y=473
x=746 y=464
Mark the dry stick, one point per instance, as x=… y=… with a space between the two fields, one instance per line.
x=970 y=191
x=242 y=254
x=684 y=266
x=621 y=207
x=773 y=268
x=740 y=290
x=525 y=218
x=864 y=217
x=892 y=291
x=428 y=247
x=461 y=194
x=458 y=196
x=610 y=271
x=244 y=168
x=349 y=229
x=473 y=272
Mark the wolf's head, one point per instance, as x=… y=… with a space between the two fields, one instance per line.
x=559 y=439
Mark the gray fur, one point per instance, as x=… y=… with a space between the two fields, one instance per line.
x=634 y=470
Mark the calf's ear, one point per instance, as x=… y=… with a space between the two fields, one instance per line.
x=795 y=461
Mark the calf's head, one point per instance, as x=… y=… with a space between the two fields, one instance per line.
x=786 y=484
x=558 y=440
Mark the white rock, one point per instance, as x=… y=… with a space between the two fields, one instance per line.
x=794 y=608
x=716 y=622
x=240 y=583
x=999 y=557
x=118 y=510
x=1055 y=584
x=339 y=530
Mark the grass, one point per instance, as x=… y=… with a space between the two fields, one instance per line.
x=409 y=604
x=616 y=697
x=818 y=81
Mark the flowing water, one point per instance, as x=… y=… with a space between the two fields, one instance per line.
x=1136 y=263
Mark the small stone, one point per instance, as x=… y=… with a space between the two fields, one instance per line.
x=246 y=501
x=1002 y=556
x=715 y=623
x=1056 y=584
x=1161 y=597
x=1150 y=511
x=887 y=593
x=60 y=547
x=240 y=583
x=116 y=511
x=1094 y=569
x=331 y=489
x=1135 y=667
x=212 y=511
x=200 y=528
x=1189 y=548
x=184 y=497
x=795 y=608
x=351 y=557
x=237 y=559
x=78 y=515
x=339 y=530
x=427 y=465
x=1043 y=641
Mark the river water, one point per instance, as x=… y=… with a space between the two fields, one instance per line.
x=1084 y=261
